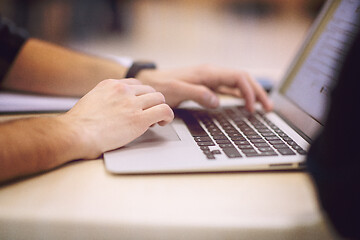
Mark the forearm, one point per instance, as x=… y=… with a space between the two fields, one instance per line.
x=111 y=115
x=45 y=68
x=38 y=144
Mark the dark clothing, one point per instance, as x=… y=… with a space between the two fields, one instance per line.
x=334 y=157
x=11 y=41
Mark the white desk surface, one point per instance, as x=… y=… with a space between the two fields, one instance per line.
x=82 y=201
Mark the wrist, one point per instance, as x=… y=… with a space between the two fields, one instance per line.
x=81 y=144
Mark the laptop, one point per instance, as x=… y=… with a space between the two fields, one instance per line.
x=230 y=138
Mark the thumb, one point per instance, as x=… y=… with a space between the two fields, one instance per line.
x=198 y=93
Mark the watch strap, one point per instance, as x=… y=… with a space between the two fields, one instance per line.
x=136 y=67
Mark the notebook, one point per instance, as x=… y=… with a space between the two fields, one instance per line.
x=230 y=138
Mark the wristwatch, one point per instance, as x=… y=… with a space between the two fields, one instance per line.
x=137 y=66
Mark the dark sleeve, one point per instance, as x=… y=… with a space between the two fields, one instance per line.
x=11 y=40
x=334 y=157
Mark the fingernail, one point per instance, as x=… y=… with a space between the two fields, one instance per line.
x=214 y=101
x=250 y=108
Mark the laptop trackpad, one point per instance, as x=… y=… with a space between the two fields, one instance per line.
x=156 y=134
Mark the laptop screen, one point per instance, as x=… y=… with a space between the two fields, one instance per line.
x=309 y=82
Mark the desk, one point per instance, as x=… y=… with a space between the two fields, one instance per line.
x=80 y=200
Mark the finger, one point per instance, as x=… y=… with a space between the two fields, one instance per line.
x=198 y=93
x=229 y=91
x=260 y=93
x=131 y=81
x=163 y=123
x=222 y=77
x=151 y=99
x=117 y=82
x=247 y=91
x=161 y=114
x=249 y=88
x=141 y=89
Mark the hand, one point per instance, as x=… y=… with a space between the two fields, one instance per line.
x=114 y=113
x=201 y=83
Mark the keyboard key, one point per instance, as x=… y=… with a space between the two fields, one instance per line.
x=254 y=137
x=257 y=141
x=219 y=137
x=232 y=131
x=249 y=132
x=206 y=152
x=210 y=157
x=228 y=127
x=235 y=134
x=209 y=154
x=272 y=138
x=301 y=152
x=281 y=145
x=282 y=135
x=291 y=143
x=202 y=139
x=286 y=139
x=223 y=141
x=214 y=131
x=297 y=147
x=217 y=134
x=238 y=138
x=261 y=145
x=274 y=142
x=226 y=145
x=268 y=134
x=232 y=152
x=286 y=151
x=242 y=147
x=242 y=142
x=265 y=149
x=268 y=154
x=206 y=143
x=264 y=130
x=249 y=155
x=249 y=151
x=216 y=152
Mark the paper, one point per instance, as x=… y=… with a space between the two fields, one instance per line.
x=11 y=102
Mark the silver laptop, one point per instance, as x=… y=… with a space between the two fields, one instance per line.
x=230 y=138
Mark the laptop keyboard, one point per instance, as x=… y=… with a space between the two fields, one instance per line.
x=235 y=132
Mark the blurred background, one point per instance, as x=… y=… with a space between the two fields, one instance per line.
x=261 y=36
